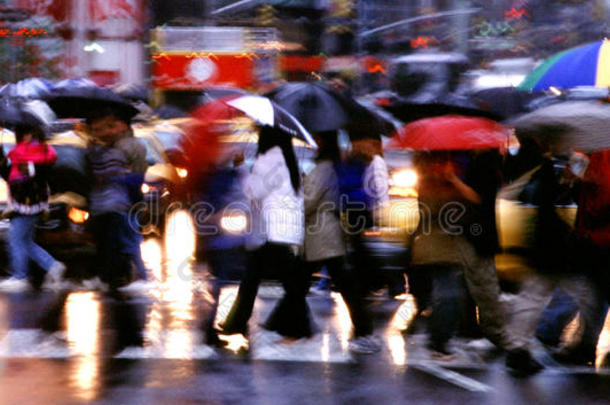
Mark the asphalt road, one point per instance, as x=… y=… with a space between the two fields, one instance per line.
x=85 y=346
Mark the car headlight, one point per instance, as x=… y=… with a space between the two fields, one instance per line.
x=403 y=182
x=77 y=215
x=234 y=223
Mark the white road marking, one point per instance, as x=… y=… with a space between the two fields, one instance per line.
x=451 y=376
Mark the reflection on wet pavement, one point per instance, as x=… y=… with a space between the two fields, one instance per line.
x=82 y=312
x=90 y=331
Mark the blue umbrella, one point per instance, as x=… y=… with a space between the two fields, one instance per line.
x=27 y=88
x=79 y=82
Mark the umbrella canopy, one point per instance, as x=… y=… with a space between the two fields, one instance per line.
x=265 y=112
x=132 y=91
x=80 y=101
x=316 y=106
x=586 y=65
x=218 y=92
x=34 y=112
x=75 y=82
x=580 y=125
x=451 y=132
x=27 y=88
x=505 y=102
x=221 y=128
x=409 y=111
x=320 y=108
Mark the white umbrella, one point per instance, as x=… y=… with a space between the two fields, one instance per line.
x=266 y=112
x=580 y=125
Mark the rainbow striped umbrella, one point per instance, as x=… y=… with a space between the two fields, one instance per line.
x=585 y=65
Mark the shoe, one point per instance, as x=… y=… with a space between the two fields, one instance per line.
x=364 y=345
x=378 y=293
x=55 y=274
x=95 y=284
x=15 y=284
x=138 y=286
x=212 y=339
x=521 y=362
x=440 y=352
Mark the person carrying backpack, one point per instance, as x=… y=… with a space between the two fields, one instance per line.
x=28 y=200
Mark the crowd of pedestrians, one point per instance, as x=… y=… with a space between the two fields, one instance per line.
x=301 y=225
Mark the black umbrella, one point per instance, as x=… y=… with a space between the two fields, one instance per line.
x=71 y=102
x=13 y=113
x=409 y=111
x=27 y=88
x=320 y=108
x=131 y=91
x=315 y=105
x=505 y=101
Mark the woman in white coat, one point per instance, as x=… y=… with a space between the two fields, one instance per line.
x=275 y=237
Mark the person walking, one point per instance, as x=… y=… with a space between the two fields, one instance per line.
x=275 y=238
x=325 y=240
x=441 y=247
x=552 y=260
x=483 y=175
x=592 y=252
x=357 y=203
x=110 y=198
x=28 y=201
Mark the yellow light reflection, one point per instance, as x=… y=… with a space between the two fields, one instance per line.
x=400 y=321
x=404 y=314
x=325 y=348
x=179 y=344
x=82 y=312
x=603 y=344
x=235 y=343
x=152 y=254
x=225 y=302
x=179 y=250
x=344 y=321
x=177 y=293
x=398 y=351
x=180 y=236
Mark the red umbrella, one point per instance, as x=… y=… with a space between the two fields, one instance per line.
x=451 y=132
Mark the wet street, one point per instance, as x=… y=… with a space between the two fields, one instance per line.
x=84 y=346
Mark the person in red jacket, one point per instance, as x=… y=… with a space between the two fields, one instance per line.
x=593 y=251
x=28 y=200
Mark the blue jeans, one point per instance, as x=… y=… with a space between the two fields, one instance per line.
x=556 y=317
x=131 y=238
x=22 y=247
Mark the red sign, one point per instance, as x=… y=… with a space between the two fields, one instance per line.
x=300 y=63
x=199 y=71
x=58 y=9
x=104 y=77
x=23 y=32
